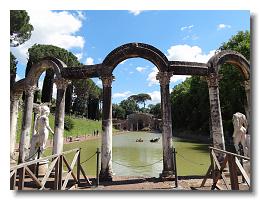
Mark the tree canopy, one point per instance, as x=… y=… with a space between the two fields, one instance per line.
x=20 y=28
x=190 y=101
x=140 y=98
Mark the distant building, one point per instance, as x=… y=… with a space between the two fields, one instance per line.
x=138 y=122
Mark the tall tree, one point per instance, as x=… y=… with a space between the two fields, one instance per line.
x=20 y=32
x=129 y=105
x=118 y=111
x=39 y=51
x=13 y=63
x=20 y=28
x=140 y=98
x=232 y=92
x=155 y=110
x=190 y=102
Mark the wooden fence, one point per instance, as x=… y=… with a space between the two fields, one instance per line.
x=216 y=170
x=57 y=162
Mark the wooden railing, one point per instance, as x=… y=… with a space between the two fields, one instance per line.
x=216 y=170
x=61 y=177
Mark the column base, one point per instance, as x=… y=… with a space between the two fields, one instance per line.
x=167 y=175
x=105 y=176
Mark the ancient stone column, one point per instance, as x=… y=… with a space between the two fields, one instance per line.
x=26 y=124
x=14 y=103
x=106 y=148
x=215 y=113
x=168 y=166
x=59 y=115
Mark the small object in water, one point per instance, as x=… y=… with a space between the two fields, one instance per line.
x=139 y=140
x=155 y=139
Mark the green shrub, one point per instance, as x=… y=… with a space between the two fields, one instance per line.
x=68 y=123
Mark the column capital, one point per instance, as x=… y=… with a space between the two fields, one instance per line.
x=164 y=77
x=31 y=89
x=61 y=83
x=213 y=80
x=107 y=80
x=247 y=85
x=15 y=96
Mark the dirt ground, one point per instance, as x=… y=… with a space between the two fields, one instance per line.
x=127 y=183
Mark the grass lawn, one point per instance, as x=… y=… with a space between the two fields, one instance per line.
x=82 y=126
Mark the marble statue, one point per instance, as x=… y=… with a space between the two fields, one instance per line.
x=240 y=133
x=41 y=130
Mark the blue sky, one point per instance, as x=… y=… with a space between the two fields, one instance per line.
x=91 y=35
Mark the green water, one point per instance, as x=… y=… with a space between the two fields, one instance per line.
x=131 y=158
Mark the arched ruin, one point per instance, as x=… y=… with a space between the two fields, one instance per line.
x=104 y=71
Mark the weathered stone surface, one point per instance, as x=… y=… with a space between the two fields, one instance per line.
x=14 y=103
x=26 y=125
x=133 y=50
x=188 y=68
x=168 y=165
x=106 y=148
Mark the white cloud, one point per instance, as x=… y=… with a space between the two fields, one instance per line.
x=55 y=28
x=122 y=94
x=89 y=61
x=155 y=96
x=187 y=27
x=188 y=53
x=152 y=77
x=140 y=69
x=223 y=26
x=178 y=78
x=79 y=55
x=181 y=53
x=135 y=12
x=174 y=79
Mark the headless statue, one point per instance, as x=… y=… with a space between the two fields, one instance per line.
x=40 y=131
x=239 y=135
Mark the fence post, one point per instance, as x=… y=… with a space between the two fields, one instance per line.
x=13 y=181
x=38 y=163
x=233 y=172
x=175 y=167
x=60 y=161
x=78 y=167
x=97 y=173
x=21 y=172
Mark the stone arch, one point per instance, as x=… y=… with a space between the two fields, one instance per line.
x=44 y=64
x=36 y=71
x=28 y=85
x=152 y=54
x=134 y=50
x=229 y=57
x=214 y=64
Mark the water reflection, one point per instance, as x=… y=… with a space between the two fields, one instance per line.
x=137 y=158
x=128 y=155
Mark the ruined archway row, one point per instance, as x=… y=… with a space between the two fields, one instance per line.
x=104 y=71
